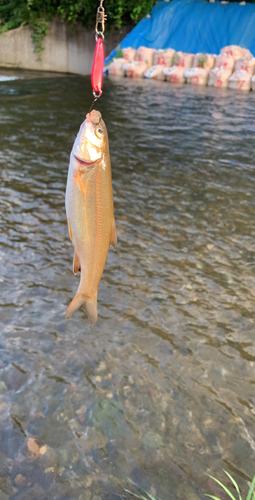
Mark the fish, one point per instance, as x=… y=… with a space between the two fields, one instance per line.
x=90 y=211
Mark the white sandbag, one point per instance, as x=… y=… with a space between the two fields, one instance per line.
x=235 y=51
x=253 y=83
x=129 y=54
x=143 y=60
x=221 y=78
x=212 y=76
x=163 y=57
x=240 y=80
x=135 y=69
x=246 y=64
x=175 y=74
x=182 y=60
x=115 y=67
x=196 y=76
x=205 y=61
x=156 y=72
x=247 y=53
x=224 y=62
x=145 y=55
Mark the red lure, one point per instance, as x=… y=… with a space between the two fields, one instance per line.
x=98 y=68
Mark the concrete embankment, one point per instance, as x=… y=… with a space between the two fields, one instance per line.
x=65 y=50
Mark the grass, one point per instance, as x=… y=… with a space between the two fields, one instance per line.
x=250 y=494
x=142 y=497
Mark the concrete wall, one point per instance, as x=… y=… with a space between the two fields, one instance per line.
x=65 y=51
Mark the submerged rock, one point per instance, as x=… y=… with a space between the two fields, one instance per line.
x=152 y=440
x=19 y=480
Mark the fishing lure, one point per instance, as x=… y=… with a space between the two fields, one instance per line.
x=98 y=63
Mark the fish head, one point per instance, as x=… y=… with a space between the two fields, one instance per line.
x=92 y=141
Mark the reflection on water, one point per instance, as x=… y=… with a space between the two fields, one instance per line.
x=5 y=78
x=162 y=389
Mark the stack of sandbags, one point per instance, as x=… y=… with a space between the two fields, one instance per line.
x=182 y=62
x=198 y=70
x=116 y=66
x=129 y=54
x=219 y=76
x=162 y=59
x=143 y=60
x=242 y=76
x=199 y=74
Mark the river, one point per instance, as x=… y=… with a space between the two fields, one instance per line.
x=161 y=390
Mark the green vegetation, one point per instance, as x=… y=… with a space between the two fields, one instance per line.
x=119 y=53
x=202 y=59
x=250 y=494
x=37 y=14
x=41 y=28
x=142 y=497
x=119 y=12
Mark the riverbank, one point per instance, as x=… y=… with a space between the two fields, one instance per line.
x=65 y=50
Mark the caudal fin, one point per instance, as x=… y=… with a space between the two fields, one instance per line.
x=91 y=309
x=90 y=306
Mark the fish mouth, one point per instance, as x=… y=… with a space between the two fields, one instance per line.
x=85 y=163
x=94 y=117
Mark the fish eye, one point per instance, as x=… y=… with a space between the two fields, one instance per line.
x=99 y=132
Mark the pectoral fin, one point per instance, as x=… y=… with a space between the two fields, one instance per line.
x=81 y=185
x=113 y=237
x=76 y=263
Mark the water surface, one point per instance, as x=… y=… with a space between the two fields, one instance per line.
x=161 y=391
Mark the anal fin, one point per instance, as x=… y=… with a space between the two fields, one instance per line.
x=70 y=229
x=76 y=263
x=113 y=236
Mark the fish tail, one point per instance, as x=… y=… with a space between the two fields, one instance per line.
x=90 y=305
x=91 y=309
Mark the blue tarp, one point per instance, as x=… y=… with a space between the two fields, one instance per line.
x=194 y=26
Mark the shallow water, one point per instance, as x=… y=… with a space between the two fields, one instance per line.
x=161 y=391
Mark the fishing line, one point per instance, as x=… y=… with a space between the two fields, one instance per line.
x=93 y=104
x=96 y=96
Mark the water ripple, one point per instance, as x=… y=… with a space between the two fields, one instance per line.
x=162 y=389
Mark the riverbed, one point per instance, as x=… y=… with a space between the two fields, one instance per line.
x=161 y=390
